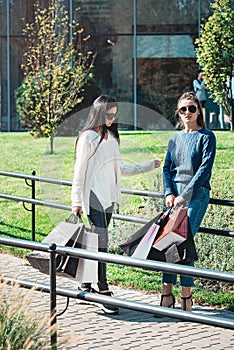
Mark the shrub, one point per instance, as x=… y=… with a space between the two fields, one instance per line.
x=19 y=328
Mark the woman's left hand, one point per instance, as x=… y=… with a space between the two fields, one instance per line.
x=179 y=201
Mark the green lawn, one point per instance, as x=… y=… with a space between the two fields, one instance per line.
x=23 y=154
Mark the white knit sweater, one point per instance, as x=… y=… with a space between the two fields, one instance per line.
x=99 y=169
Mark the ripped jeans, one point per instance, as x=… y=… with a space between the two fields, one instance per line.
x=196 y=211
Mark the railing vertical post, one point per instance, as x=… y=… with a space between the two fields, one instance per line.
x=33 y=207
x=53 y=309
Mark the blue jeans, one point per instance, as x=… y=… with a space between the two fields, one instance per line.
x=196 y=211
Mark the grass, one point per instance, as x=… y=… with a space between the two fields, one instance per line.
x=21 y=153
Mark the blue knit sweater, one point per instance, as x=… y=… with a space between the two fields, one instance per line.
x=189 y=161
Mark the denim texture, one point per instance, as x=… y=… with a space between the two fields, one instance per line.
x=196 y=211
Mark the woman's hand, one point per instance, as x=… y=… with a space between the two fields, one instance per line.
x=170 y=198
x=77 y=211
x=179 y=201
x=157 y=162
x=172 y=201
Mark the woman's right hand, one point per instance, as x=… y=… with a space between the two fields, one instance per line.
x=77 y=211
x=170 y=198
x=157 y=162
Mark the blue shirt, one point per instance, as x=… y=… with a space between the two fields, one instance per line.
x=189 y=160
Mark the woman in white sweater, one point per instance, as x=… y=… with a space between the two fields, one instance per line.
x=97 y=172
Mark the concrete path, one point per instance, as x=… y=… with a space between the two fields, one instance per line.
x=89 y=328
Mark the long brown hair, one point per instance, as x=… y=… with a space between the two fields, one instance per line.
x=97 y=118
x=190 y=95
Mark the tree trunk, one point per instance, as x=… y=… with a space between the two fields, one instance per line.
x=232 y=115
x=51 y=144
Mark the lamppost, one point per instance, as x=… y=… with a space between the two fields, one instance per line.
x=135 y=65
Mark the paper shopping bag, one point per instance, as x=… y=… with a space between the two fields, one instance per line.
x=143 y=248
x=130 y=245
x=175 y=231
x=64 y=234
x=87 y=271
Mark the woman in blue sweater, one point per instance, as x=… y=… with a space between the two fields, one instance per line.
x=186 y=174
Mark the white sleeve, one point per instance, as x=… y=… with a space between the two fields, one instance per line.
x=83 y=153
x=134 y=169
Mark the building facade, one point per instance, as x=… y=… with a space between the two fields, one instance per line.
x=144 y=50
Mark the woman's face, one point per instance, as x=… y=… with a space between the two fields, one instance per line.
x=111 y=116
x=188 y=111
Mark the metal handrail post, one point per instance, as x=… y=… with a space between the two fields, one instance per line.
x=33 y=207
x=53 y=306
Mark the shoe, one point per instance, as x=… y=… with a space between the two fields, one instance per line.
x=167 y=296
x=107 y=308
x=87 y=287
x=186 y=306
x=169 y=305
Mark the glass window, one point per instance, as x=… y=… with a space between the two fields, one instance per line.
x=165 y=46
x=13 y=16
x=166 y=59
x=167 y=13
x=110 y=25
x=161 y=54
x=105 y=16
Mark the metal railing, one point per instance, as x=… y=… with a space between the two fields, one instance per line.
x=55 y=290
x=33 y=201
x=53 y=250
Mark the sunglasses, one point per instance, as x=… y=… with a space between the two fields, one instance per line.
x=191 y=109
x=111 y=116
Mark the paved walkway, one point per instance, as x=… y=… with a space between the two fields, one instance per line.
x=89 y=328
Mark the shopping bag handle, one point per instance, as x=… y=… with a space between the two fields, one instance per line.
x=79 y=219
x=166 y=214
x=74 y=219
x=164 y=217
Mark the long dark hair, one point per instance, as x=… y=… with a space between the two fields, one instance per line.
x=97 y=118
x=190 y=95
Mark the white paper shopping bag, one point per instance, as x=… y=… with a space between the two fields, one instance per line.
x=87 y=271
x=145 y=244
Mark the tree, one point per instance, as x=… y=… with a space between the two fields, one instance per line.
x=56 y=70
x=215 y=54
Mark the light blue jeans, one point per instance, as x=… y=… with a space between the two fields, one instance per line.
x=196 y=211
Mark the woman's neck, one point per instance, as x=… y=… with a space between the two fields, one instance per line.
x=97 y=129
x=192 y=128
